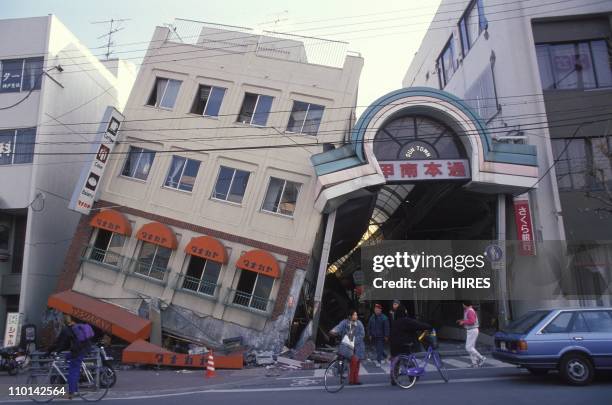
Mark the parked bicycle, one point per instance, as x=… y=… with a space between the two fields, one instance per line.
x=50 y=376
x=407 y=369
x=336 y=374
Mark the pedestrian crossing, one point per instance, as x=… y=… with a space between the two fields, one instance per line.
x=369 y=367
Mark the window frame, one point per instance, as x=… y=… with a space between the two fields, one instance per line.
x=139 y=261
x=24 y=61
x=180 y=177
x=442 y=79
x=108 y=244
x=195 y=100
x=201 y=278
x=229 y=189
x=161 y=99
x=13 y=154
x=292 y=215
x=246 y=94
x=576 y=44
x=131 y=177
x=301 y=131
x=464 y=22
x=252 y=295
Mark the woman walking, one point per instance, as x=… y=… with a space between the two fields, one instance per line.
x=354 y=331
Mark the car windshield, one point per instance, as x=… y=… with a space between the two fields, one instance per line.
x=526 y=322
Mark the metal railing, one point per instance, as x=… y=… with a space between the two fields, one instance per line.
x=243 y=299
x=93 y=254
x=227 y=39
x=197 y=285
x=150 y=270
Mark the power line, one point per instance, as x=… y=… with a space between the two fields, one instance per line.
x=293 y=46
x=463 y=7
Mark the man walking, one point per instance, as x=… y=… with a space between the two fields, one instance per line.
x=470 y=323
x=378 y=330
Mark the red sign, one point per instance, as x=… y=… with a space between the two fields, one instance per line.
x=439 y=169
x=524 y=227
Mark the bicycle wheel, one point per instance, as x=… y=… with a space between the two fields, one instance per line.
x=90 y=388
x=39 y=381
x=440 y=366
x=108 y=377
x=336 y=375
x=400 y=372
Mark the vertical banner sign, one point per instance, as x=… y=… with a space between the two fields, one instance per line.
x=524 y=226
x=12 y=333
x=85 y=191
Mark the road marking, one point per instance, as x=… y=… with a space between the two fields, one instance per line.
x=497 y=363
x=362 y=370
x=319 y=373
x=281 y=389
x=456 y=363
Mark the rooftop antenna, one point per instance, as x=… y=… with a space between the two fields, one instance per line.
x=275 y=19
x=112 y=30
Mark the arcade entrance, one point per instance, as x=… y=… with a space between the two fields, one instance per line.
x=425 y=167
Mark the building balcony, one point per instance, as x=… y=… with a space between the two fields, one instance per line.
x=196 y=286
x=146 y=269
x=105 y=258
x=260 y=305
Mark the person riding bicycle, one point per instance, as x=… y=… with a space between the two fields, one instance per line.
x=68 y=341
x=404 y=338
x=354 y=330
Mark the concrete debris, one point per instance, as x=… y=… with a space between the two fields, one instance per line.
x=289 y=362
x=264 y=358
x=322 y=357
x=305 y=351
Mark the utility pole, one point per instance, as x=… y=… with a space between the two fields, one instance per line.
x=112 y=30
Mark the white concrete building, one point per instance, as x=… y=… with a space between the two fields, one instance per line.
x=213 y=189
x=541 y=72
x=50 y=84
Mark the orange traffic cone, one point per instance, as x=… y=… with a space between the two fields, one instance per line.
x=210 y=366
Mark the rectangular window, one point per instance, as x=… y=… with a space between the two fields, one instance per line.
x=20 y=74
x=17 y=146
x=153 y=260
x=598 y=321
x=107 y=247
x=182 y=173
x=281 y=196
x=138 y=163
x=208 y=101
x=574 y=65
x=305 y=118
x=471 y=25
x=255 y=109
x=6 y=224
x=253 y=290
x=447 y=63
x=202 y=275
x=231 y=184
x=164 y=93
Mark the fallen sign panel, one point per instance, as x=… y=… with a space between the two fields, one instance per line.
x=108 y=317
x=143 y=352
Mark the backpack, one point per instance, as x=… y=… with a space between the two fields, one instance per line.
x=83 y=332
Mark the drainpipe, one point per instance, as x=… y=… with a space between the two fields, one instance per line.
x=502 y=297
x=329 y=230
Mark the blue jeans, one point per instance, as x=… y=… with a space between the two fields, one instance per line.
x=74 y=372
x=379 y=343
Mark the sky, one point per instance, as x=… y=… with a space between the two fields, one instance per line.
x=386 y=33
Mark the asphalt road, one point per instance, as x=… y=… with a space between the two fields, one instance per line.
x=506 y=386
x=498 y=386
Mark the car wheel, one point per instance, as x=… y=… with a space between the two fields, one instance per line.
x=538 y=371
x=576 y=369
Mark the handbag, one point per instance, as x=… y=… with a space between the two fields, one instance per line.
x=347 y=347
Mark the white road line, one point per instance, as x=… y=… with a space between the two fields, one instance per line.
x=497 y=363
x=456 y=363
x=386 y=368
x=319 y=373
x=308 y=388
x=362 y=370
x=430 y=367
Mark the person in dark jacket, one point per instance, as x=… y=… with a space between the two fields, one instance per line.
x=404 y=338
x=67 y=341
x=397 y=311
x=378 y=330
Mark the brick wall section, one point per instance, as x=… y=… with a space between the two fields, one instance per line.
x=295 y=260
x=72 y=262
